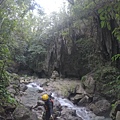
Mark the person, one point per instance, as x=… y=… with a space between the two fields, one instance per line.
x=48 y=106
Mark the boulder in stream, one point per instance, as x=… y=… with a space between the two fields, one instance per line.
x=101 y=107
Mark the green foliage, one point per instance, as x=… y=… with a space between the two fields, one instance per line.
x=15 y=34
x=105 y=16
x=110 y=12
x=83 y=78
x=85 y=48
x=36 y=56
x=116 y=33
x=65 y=33
x=113 y=106
x=36 y=49
x=7 y=99
x=4 y=82
x=108 y=80
x=115 y=57
x=11 y=100
x=114 y=87
x=106 y=74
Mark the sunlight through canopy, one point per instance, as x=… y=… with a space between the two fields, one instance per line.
x=50 y=6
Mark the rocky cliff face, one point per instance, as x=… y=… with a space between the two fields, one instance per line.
x=69 y=57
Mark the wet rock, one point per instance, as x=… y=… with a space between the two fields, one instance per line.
x=23 y=87
x=2 y=118
x=9 y=108
x=118 y=115
x=40 y=103
x=94 y=108
x=40 y=90
x=55 y=75
x=26 y=79
x=76 y=98
x=23 y=113
x=83 y=100
x=40 y=108
x=22 y=93
x=80 y=90
x=9 y=117
x=88 y=84
x=100 y=107
x=69 y=114
x=57 y=105
x=11 y=91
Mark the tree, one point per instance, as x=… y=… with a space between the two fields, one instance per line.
x=13 y=40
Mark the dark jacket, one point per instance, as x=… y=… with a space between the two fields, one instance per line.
x=48 y=108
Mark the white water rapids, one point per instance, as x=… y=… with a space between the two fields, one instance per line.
x=81 y=112
x=35 y=86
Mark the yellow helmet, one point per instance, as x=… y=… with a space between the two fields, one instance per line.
x=45 y=97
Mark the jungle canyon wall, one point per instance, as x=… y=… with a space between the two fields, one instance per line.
x=69 y=56
x=93 y=42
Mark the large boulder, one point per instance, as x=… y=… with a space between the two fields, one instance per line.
x=88 y=84
x=76 y=98
x=79 y=89
x=69 y=114
x=23 y=113
x=101 y=107
x=83 y=101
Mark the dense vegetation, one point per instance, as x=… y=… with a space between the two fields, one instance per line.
x=88 y=29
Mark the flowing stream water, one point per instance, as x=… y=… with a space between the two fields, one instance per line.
x=82 y=112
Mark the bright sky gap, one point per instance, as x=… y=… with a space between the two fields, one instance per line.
x=50 y=5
